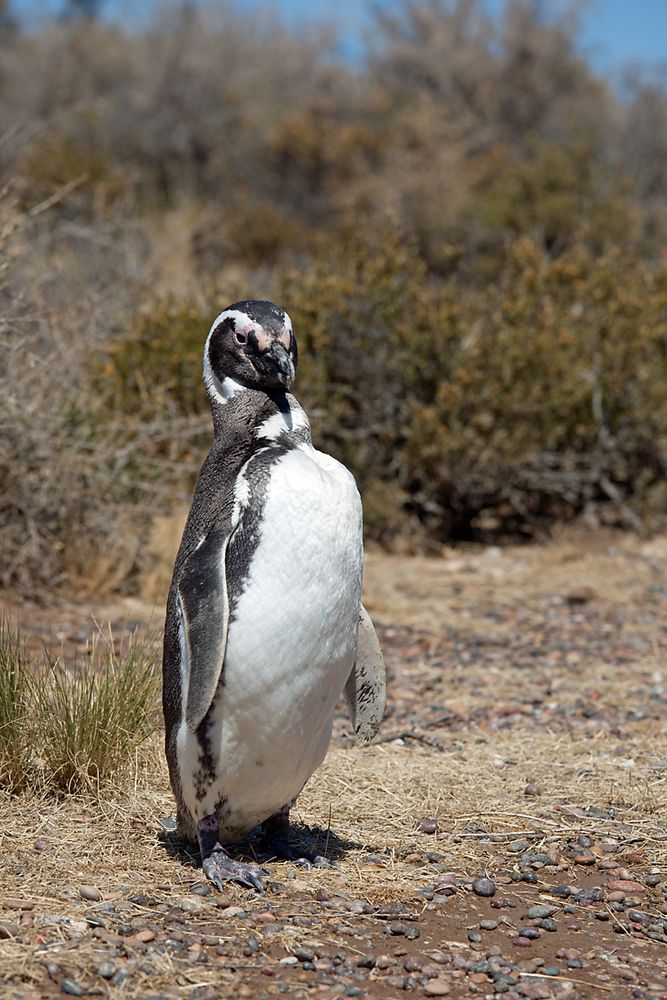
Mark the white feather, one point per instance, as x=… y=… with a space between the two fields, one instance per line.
x=291 y=645
x=275 y=425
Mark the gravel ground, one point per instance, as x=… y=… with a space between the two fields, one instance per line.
x=506 y=835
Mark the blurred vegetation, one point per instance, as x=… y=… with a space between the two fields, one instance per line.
x=468 y=228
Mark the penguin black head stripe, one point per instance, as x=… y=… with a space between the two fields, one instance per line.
x=251 y=345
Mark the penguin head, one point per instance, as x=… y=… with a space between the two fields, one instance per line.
x=251 y=345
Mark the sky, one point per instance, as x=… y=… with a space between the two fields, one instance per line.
x=615 y=33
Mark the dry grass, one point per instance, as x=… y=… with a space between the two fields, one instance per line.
x=363 y=805
x=364 y=801
x=70 y=727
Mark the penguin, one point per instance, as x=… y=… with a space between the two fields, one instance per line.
x=264 y=626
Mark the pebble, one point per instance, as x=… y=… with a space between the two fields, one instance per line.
x=90 y=892
x=144 y=936
x=488 y=925
x=73 y=988
x=540 y=910
x=202 y=889
x=593 y=895
x=548 y=924
x=302 y=953
x=427 y=825
x=584 y=858
x=626 y=886
x=191 y=906
x=437 y=988
x=532 y=790
x=398 y=929
x=529 y=932
x=484 y=887
x=551 y=970
x=106 y=970
x=474 y=937
x=561 y=891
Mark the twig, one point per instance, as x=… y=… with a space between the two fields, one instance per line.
x=409 y=735
x=565 y=979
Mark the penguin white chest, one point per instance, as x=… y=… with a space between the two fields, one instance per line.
x=292 y=637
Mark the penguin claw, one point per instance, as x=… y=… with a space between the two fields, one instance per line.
x=219 y=869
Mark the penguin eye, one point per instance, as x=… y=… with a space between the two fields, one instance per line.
x=241 y=338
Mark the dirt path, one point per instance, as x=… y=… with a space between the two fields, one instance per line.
x=506 y=835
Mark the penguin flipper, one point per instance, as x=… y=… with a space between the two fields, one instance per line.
x=365 y=690
x=203 y=608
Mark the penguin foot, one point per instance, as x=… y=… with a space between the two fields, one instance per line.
x=220 y=868
x=217 y=864
x=277 y=849
x=275 y=844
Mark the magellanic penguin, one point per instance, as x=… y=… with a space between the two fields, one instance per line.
x=264 y=627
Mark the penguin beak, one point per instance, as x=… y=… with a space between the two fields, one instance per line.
x=281 y=364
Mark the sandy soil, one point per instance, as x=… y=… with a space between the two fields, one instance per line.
x=521 y=765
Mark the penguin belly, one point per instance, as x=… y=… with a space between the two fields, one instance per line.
x=291 y=642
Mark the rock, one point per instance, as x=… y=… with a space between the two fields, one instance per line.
x=584 y=857
x=531 y=933
x=73 y=988
x=201 y=889
x=581 y=595
x=106 y=970
x=551 y=970
x=191 y=906
x=616 y=897
x=488 y=925
x=412 y=933
x=484 y=887
x=368 y=962
x=144 y=936
x=302 y=953
x=540 y=910
x=532 y=790
x=232 y=911
x=90 y=892
x=437 y=988
x=398 y=929
x=626 y=886
x=413 y=963
x=592 y=895
x=427 y=825
x=548 y=924
x=8 y=931
x=562 y=891
x=639 y=918
x=474 y=937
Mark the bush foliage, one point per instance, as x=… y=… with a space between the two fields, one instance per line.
x=467 y=227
